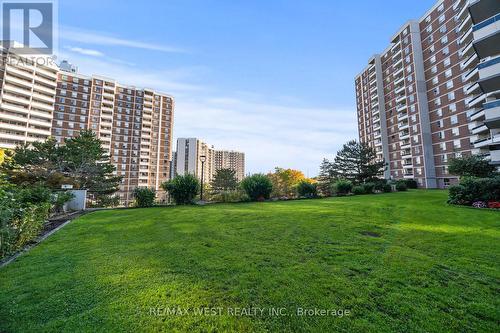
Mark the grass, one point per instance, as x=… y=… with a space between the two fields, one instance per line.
x=404 y=262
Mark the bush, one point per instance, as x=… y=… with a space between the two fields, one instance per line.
x=144 y=197
x=401 y=186
x=342 y=187
x=357 y=190
x=471 y=190
x=230 y=196
x=306 y=189
x=411 y=183
x=21 y=216
x=387 y=188
x=258 y=187
x=368 y=188
x=183 y=189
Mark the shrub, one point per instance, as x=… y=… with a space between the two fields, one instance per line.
x=306 y=189
x=144 y=197
x=183 y=189
x=21 y=216
x=342 y=187
x=230 y=196
x=387 y=188
x=474 y=189
x=401 y=186
x=411 y=183
x=257 y=187
x=471 y=166
x=379 y=184
x=368 y=188
x=357 y=190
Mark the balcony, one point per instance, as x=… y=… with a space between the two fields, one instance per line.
x=492 y=114
x=406 y=153
x=479 y=114
x=489 y=75
x=467 y=50
x=400 y=89
x=466 y=36
x=479 y=129
x=487 y=37
x=401 y=107
x=403 y=125
x=481 y=10
x=495 y=157
x=475 y=100
x=470 y=62
x=481 y=143
x=405 y=144
x=404 y=135
x=471 y=75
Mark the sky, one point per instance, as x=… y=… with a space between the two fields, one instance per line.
x=271 y=78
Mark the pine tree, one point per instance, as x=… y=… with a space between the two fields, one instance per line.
x=358 y=163
x=325 y=178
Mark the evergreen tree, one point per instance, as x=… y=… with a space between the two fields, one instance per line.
x=358 y=163
x=325 y=178
x=224 y=180
x=80 y=161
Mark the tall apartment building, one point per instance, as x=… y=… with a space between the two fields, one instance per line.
x=418 y=103
x=27 y=97
x=230 y=159
x=135 y=126
x=188 y=158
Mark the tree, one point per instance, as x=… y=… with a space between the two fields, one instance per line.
x=183 y=189
x=258 y=187
x=224 y=180
x=471 y=166
x=144 y=197
x=325 y=178
x=358 y=163
x=307 y=189
x=80 y=161
x=284 y=181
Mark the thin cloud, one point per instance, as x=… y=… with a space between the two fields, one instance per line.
x=89 y=52
x=101 y=38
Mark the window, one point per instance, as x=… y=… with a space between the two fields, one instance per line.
x=451 y=96
x=434 y=69
x=448 y=73
x=433 y=59
x=454 y=120
x=456 y=144
x=443 y=29
x=449 y=84
x=446 y=50
x=452 y=107
x=455 y=131
x=447 y=62
x=441 y=18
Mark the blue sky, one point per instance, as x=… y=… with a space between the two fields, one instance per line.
x=271 y=78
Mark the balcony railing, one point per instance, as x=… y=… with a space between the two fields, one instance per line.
x=487 y=22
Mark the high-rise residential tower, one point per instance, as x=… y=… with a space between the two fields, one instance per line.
x=418 y=102
x=27 y=97
x=230 y=159
x=188 y=158
x=135 y=126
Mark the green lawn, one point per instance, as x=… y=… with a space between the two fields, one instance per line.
x=402 y=262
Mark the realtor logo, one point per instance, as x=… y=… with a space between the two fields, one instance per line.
x=30 y=24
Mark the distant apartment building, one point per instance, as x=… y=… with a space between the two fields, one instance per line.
x=135 y=126
x=27 y=98
x=229 y=159
x=432 y=94
x=188 y=159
